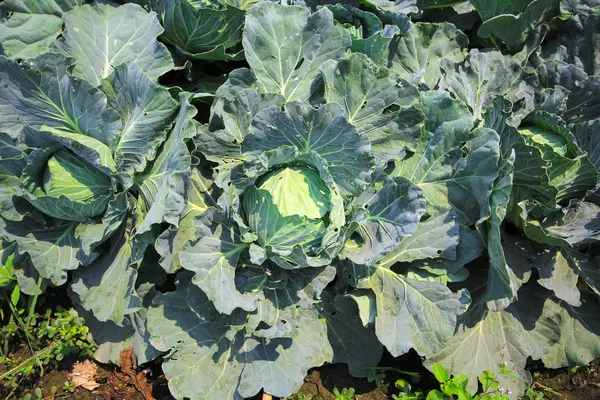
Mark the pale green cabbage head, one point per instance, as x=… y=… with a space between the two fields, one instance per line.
x=296 y=201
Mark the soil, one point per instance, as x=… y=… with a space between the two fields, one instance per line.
x=321 y=382
x=581 y=383
x=114 y=383
x=51 y=379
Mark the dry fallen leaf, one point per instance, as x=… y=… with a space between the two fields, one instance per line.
x=84 y=374
x=125 y=384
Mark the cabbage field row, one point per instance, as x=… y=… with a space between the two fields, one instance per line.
x=250 y=189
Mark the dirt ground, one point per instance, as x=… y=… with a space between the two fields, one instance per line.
x=581 y=383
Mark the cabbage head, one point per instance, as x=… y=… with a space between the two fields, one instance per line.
x=72 y=179
x=298 y=198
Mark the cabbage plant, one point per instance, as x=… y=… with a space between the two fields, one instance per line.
x=92 y=163
x=363 y=180
x=327 y=167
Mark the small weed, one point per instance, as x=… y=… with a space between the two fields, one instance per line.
x=50 y=337
x=378 y=374
x=344 y=394
x=69 y=387
x=456 y=387
x=37 y=394
x=533 y=394
x=299 y=396
x=537 y=392
x=56 y=335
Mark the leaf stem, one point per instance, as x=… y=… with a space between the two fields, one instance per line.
x=46 y=350
x=15 y=312
x=395 y=369
x=34 y=302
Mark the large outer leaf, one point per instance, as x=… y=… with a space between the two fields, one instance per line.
x=392 y=212
x=530 y=180
x=352 y=343
x=569 y=171
x=579 y=6
x=396 y=6
x=112 y=339
x=29 y=279
x=376 y=46
x=92 y=234
x=578 y=44
x=511 y=20
x=174 y=324
x=584 y=266
x=162 y=185
x=13 y=156
x=521 y=256
x=577 y=224
x=285 y=46
x=213 y=255
x=53 y=250
x=454 y=166
x=101 y=36
x=558 y=272
x=279 y=369
x=579 y=334
x=236 y=103
x=416 y=57
x=171 y=241
x=50 y=7
x=26 y=36
x=324 y=131
x=369 y=35
x=583 y=104
x=288 y=295
x=485 y=339
x=17 y=271
x=378 y=102
x=502 y=284
x=506 y=275
x=107 y=286
x=589 y=140
x=451 y=260
x=211 y=359
x=41 y=93
x=146 y=111
x=414 y=314
x=485 y=76
x=553 y=72
x=436 y=237
x=201 y=32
